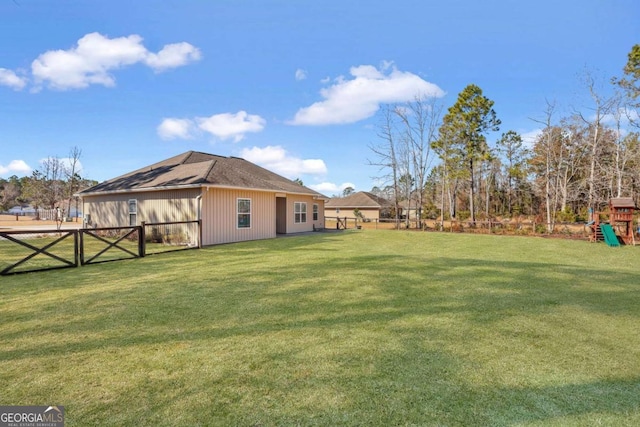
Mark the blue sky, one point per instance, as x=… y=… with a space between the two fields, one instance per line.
x=292 y=86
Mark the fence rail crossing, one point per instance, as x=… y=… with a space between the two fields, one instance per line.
x=39 y=250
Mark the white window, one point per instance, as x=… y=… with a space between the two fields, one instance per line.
x=299 y=212
x=315 y=211
x=133 y=212
x=244 y=213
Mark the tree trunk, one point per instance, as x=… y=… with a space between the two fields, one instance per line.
x=472 y=194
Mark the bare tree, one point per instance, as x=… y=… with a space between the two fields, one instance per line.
x=571 y=153
x=625 y=147
x=420 y=120
x=544 y=149
x=72 y=172
x=601 y=108
x=386 y=153
x=53 y=173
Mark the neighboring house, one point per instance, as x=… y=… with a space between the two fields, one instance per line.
x=235 y=199
x=22 y=210
x=370 y=206
x=409 y=207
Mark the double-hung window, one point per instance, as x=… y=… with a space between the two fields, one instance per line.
x=315 y=211
x=299 y=212
x=133 y=212
x=244 y=213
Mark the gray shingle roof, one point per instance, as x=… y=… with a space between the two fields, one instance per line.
x=192 y=169
x=361 y=199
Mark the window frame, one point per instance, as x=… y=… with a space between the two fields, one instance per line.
x=299 y=214
x=239 y=223
x=133 y=213
x=316 y=211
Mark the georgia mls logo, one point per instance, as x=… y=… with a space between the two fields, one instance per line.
x=31 y=416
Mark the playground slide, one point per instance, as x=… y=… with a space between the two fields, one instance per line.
x=610 y=237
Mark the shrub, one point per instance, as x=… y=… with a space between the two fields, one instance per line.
x=566 y=215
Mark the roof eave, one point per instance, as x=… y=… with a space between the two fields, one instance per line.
x=354 y=207
x=183 y=187
x=139 y=190
x=317 y=196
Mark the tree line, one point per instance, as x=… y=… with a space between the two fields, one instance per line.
x=441 y=165
x=53 y=185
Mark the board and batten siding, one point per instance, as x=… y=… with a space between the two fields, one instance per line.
x=220 y=216
x=157 y=206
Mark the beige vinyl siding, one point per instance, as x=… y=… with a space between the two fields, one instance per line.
x=158 y=206
x=220 y=216
x=107 y=211
x=369 y=213
x=319 y=223
x=167 y=206
x=292 y=227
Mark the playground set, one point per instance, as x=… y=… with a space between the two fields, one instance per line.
x=620 y=213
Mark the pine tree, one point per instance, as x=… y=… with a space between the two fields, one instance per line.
x=464 y=126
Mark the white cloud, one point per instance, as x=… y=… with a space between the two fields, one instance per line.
x=11 y=79
x=301 y=74
x=95 y=56
x=276 y=159
x=623 y=115
x=331 y=188
x=222 y=126
x=176 y=128
x=529 y=138
x=172 y=56
x=15 y=167
x=352 y=100
x=228 y=125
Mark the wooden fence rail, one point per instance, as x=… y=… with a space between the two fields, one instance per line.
x=39 y=250
x=24 y=251
x=486 y=227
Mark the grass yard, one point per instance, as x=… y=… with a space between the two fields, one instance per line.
x=371 y=328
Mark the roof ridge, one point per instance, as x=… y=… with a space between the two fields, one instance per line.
x=209 y=169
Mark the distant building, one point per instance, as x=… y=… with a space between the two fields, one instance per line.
x=22 y=210
x=370 y=206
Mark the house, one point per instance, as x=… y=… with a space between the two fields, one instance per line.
x=22 y=210
x=235 y=199
x=410 y=208
x=371 y=207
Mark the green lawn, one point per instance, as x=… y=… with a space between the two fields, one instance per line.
x=371 y=328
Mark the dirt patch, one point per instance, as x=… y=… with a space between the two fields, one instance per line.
x=9 y=221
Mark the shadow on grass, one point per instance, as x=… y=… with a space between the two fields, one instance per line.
x=353 y=339
x=369 y=289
